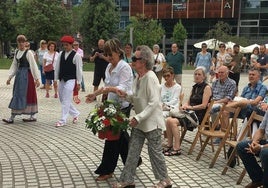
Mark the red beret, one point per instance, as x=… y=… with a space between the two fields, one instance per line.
x=67 y=38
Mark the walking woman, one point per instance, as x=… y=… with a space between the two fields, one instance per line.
x=25 y=70
x=39 y=59
x=148 y=122
x=118 y=75
x=203 y=58
x=49 y=59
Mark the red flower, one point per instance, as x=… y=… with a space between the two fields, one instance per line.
x=106 y=122
x=100 y=113
x=119 y=119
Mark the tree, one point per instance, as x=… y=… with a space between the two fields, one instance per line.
x=43 y=19
x=146 y=31
x=222 y=32
x=7 y=31
x=179 y=33
x=100 y=19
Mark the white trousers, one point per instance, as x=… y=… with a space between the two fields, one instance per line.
x=66 y=98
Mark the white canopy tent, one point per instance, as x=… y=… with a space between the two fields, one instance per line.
x=250 y=48
x=211 y=44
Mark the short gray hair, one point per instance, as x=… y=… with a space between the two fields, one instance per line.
x=147 y=56
x=203 y=69
x=156 y=46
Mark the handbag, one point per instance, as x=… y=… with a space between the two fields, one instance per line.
x=187 y=118
x=50 y=67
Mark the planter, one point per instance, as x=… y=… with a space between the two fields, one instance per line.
x=108 y=135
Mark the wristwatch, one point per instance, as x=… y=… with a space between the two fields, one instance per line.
x=261 y=146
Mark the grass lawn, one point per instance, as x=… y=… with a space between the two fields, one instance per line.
x=5 y=64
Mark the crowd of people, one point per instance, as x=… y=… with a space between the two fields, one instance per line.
x=134 y=80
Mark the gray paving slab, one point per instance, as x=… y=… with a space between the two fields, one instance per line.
x=39 y=155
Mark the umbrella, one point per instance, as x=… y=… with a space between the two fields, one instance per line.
x=211 y=44
x=249 y=48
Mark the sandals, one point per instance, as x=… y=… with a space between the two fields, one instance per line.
x=163 y=184
x=173 y=152
x=123 y=185
x=167 y=149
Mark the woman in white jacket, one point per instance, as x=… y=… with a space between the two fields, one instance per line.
x=148 y=123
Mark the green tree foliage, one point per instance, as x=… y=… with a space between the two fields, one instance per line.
x=179 y=33
x=146 y=31
x=99 y=19
x=7 y=31
x=222 y=32
x=43 y=19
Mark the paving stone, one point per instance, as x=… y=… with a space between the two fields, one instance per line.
x=40 y=155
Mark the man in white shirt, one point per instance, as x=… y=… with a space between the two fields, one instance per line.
x=68 y=70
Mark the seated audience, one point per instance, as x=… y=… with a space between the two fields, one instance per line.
x=252 y=95
x=223 y=90
x=170 y=91
x=248 y=149
x=198 y=101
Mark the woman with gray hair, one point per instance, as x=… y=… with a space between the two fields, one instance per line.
x=148 y=122
x=198 y=102
x=159 y=61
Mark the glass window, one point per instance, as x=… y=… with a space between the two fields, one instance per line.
x=150 y=1
x=249 y=23
x=165 y=1
x=263 y=22
x=264 y=15
x=264 y=3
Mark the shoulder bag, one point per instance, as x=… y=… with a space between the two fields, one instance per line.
x=50 y=67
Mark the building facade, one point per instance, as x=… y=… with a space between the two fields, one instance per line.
x=247 y=18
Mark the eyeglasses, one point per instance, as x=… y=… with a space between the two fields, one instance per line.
x=134 y=59
x=222 y=46
x=204 y=46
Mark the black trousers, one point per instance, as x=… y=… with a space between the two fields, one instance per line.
x=235 y=77
x=111 y=152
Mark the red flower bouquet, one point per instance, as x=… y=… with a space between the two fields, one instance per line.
x=108 y=120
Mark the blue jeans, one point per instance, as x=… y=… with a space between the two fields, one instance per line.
x=255 y=171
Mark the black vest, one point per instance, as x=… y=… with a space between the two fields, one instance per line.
x=22 y=62
x=67 y=68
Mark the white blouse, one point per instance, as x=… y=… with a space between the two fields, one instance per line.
x=48 y=58
x=160 y=59
x=33 y=66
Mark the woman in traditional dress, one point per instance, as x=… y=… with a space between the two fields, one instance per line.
x=25 y=70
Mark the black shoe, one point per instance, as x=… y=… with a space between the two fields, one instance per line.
x=8 y=121
x=254 y=184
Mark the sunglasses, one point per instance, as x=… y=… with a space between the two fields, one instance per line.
x=134 y=59
x=166 y=75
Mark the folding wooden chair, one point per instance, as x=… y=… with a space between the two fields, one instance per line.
x=244 y=131
x=223 y=133
x=204 y=124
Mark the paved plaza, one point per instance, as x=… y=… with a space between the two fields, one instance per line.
x=39 y=155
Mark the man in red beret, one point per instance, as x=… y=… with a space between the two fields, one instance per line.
x=68 y=70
